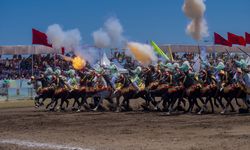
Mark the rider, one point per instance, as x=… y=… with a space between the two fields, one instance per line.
x=136 y=77
x=238 y=77
x=100 y=82
x=114 y=75
x=60 y=80
x=49 y=75
x=72 y=81
x=221 y=75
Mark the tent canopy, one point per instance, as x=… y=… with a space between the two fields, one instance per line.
x=209 y=48
x=40 y=49
x=27 y=49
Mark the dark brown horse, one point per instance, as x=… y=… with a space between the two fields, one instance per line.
x=43 y=91
x=129 y=92
x=230 y=92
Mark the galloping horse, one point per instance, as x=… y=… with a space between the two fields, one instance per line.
x=43 y=91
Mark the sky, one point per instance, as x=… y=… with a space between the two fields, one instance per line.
x=160 y=20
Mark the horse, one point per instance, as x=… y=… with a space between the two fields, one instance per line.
x=43 y=91
x=192 y=92
x=209 y=90
x=128 y=91
x=233 y=91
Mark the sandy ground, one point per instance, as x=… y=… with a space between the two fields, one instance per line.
x=121 y=131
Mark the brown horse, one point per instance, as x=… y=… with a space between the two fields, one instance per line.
x=60 y=93
x=230 y=92
x=130 y=92
x=209 y=91
x=43 y=92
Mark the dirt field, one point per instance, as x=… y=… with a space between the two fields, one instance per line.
x=29 y=128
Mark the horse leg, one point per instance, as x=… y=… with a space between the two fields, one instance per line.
x=128 y=105
x=171 y=106
x=152 y=100
x=73 y=106
x=61 y=104
x=67 y=103
x=215 y=102
x=78 y=103
x=37 y=98
x=220 y=102
x=55 y=104
x=196 y=102
x=247 y=101
x=118 y=103
x=228 y=103
x=211 y=103
x=204 y=106
x=111 y=103
x=237 y=103
x=181 y=100
x=42 y=102
x=231 y=105
x=98 y=104
x=84 y=103
x=52 y=101
x=191 y=105
x=164 y=103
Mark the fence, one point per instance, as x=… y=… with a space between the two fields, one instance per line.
x=16 y=90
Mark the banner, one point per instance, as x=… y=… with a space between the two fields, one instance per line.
x=159 y=51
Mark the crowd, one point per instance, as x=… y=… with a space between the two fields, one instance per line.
x=20 y=67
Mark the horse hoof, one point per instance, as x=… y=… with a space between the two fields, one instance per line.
x=78 y=110
x=199 y=113
x=168 y=113
x=223 y=112
x=74 y=109
x=51 y=109
x=95 y=109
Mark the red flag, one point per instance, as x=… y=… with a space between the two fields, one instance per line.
x=63 y=50
x=235 y=39
x=247 y=38
x=218 y=39
x=39 y=38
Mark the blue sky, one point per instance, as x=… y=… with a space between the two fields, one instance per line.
x=142 y=20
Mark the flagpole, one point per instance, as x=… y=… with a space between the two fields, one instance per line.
x=243 y=51
x=32 y=63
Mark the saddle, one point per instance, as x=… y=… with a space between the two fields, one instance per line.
x=206 y=87
x=193 y=88
x=163 y=86
x=101 y=88
x=174 y=89
x=141 y=86
x=118 y=86
x=230 y=88
x=59 y=90
x=153 y=85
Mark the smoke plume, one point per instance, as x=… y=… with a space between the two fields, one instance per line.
x=194 y=10
x=90 y=54
x=69 y=39
x=110 y=35
x=101 y=38
x=144 y=53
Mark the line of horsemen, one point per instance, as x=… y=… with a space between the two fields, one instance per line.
x=179 y=87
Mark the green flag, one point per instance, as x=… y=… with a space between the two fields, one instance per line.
x=158 y=50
